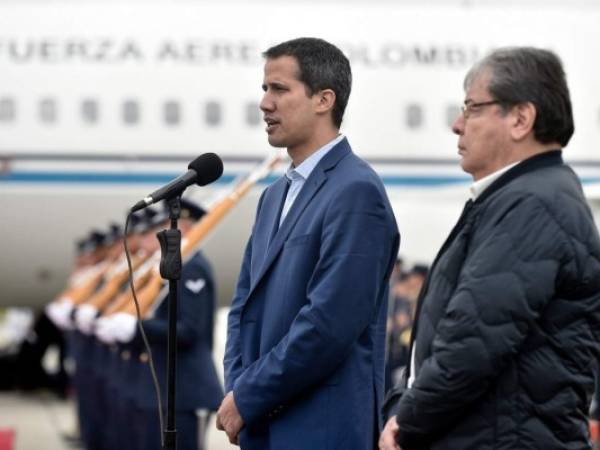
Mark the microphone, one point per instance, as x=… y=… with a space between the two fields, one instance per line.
x=205 y=169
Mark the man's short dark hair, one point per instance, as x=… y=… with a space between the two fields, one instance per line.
x=322 y=66
x=527 y=74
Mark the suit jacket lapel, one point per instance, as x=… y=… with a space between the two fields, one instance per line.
x=310 y=188
x=280 y=197
x=313 y=184
x=268 y=222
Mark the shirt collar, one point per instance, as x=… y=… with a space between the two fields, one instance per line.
x=304 y=170
x=481 y=185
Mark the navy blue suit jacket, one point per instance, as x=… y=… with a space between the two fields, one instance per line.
x=197 y=382
x=306 y=329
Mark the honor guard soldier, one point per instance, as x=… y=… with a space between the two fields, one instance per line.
x=198 y=390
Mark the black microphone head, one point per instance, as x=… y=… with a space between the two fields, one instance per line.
x=209 y=168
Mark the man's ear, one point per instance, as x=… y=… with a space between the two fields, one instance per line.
x=325 y=101
x=523 y=120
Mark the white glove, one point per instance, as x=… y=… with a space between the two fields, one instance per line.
x=59 y=313
x=85 y=317
x=104 y=330
x=124 y=326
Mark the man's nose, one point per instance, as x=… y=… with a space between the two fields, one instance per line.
x=267 y=104
x=458 y=126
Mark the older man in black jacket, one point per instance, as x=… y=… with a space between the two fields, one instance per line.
x=507 y=337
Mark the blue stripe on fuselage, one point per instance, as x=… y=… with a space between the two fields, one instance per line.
x=154 y=178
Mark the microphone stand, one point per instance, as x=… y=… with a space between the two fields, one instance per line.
x=170 y=269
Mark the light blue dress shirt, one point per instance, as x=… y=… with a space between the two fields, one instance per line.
x=297 y=176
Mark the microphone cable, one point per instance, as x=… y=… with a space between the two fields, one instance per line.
x=143 y=333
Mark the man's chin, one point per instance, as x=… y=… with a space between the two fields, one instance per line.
x=464 y=165
x=277 y=143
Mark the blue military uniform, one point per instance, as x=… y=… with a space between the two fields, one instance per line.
x=97 y=367
x=82 y=348
x=197 y=383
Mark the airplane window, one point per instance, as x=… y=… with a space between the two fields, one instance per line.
x=414 y=115
x=131 y=112
x=253 y=114
x=452 y=112
x=7 y=109
x=89 y=110
x=172 y=112
x=213 y=113
x=47 y=110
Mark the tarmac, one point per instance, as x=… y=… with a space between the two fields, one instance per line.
x=41 y=421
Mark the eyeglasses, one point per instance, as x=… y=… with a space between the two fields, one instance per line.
x=468 y=108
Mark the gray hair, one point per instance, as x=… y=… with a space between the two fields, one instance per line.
x=528 y=74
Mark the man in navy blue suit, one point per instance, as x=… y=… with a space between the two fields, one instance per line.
x=305 y=345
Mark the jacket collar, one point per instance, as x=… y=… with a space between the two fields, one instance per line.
x=312 y=185
x=540 y=161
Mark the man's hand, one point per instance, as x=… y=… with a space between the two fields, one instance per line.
x=229 y=419
x=387 y=440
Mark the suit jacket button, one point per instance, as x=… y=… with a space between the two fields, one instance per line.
x=144 y=357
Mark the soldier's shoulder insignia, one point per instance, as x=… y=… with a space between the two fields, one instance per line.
x=195 y=285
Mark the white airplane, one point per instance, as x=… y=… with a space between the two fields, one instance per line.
x=102 y=102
